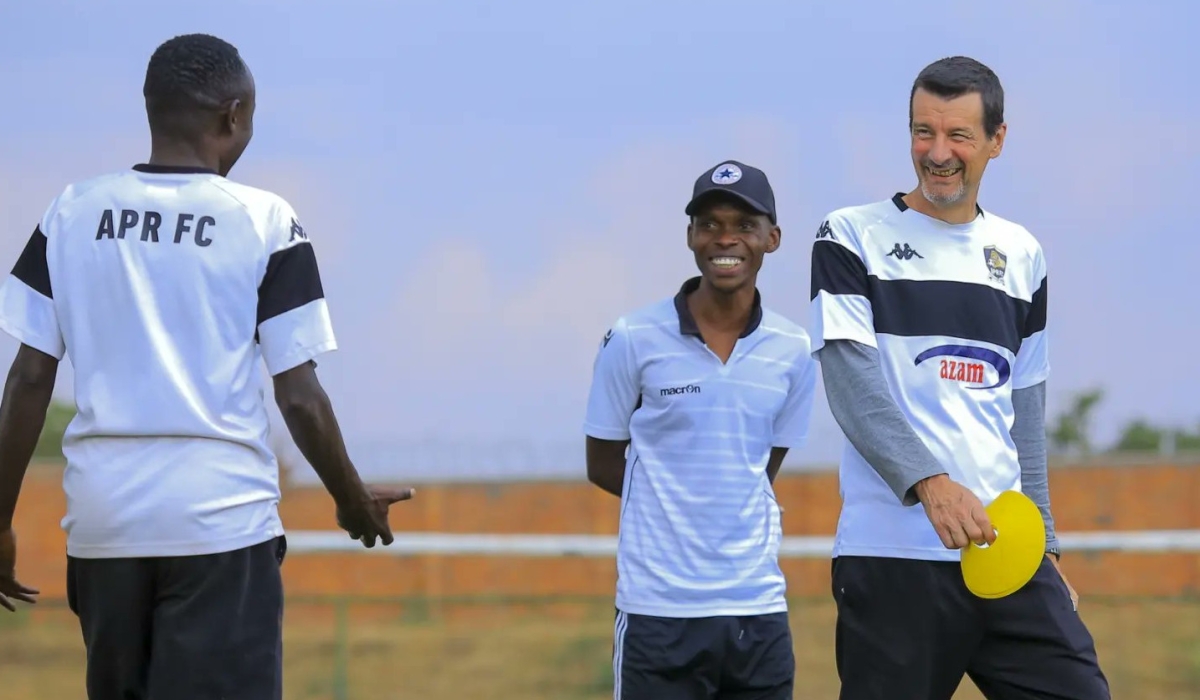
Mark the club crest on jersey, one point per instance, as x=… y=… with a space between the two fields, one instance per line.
x=996 y=261
x=968 y=365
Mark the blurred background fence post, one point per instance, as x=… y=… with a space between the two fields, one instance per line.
x=341 y=664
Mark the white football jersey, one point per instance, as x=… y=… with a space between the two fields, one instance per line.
x=958 y=314
x=165 y=287
x=700 y=527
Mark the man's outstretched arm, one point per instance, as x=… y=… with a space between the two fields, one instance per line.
x=308 y=414
x=27 y=394
x=310 y=419
x=293 y=328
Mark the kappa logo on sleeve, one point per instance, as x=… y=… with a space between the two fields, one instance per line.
x=297 y=232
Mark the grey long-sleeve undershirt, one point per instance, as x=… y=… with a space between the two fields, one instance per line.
x=868 y=415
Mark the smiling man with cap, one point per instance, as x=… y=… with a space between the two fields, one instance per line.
x=694 y=402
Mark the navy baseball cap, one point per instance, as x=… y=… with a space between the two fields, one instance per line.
x=744 y=182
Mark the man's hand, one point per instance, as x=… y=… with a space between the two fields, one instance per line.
x=367 y=519
x=956 y=513
x=9 y=587
x=1070 y=589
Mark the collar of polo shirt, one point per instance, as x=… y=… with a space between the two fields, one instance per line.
x=687 y=322
x=898 y=200
x=173 y=169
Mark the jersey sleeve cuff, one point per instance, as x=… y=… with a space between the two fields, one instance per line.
x=859 y=336
x=1026 y=381
x=602 y=433
x=40 y=342
x=295 y=358
x=841 y=317
x=791 y=442
x=297 y=336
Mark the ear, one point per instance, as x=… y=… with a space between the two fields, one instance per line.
x=231 y=116
x=774 y=238
x=998 y=141
x=690 y=231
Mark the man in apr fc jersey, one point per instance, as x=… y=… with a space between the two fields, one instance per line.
x=694 y=402
x=167 y=284
x=929 y=319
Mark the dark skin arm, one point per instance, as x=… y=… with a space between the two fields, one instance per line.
x=606 y=464
x=27 y=394
x=308 y=413
x=775 y=462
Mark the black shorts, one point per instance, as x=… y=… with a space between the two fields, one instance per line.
x=910 y=629
x=705 y=658
x=186 y=628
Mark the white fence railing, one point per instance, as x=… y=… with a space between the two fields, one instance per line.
x=406 y=544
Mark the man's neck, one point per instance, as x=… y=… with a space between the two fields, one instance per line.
x=725 y=311
x=963 y=212
x=178 y=154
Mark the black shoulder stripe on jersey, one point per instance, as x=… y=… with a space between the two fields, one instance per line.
x=1037 y=311
x=291 y=281
x=956 y=309
x=929 y=307
x=31 y=267
x=837 y=270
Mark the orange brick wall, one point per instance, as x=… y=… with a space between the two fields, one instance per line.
x=1092 y=497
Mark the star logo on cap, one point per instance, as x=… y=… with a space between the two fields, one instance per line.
x=726 y=174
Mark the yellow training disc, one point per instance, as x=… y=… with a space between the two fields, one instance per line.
x=1011 y=561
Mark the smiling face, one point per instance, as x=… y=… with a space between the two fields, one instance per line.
x=729 y=240
x=951 y=147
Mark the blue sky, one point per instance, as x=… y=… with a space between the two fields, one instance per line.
x=489 y=187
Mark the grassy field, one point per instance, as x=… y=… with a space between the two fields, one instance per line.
x=560 y=651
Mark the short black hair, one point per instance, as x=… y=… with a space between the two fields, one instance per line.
x=192 y=72
x=959 y=75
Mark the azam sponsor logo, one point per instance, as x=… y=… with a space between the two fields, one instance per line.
x=676 y=390
x=957 y=370
x=968 y=364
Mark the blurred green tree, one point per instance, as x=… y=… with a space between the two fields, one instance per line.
x=1071 y=430
x=1142 y=436
x=1139 y=436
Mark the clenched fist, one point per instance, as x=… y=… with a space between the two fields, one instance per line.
x=956 y=513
